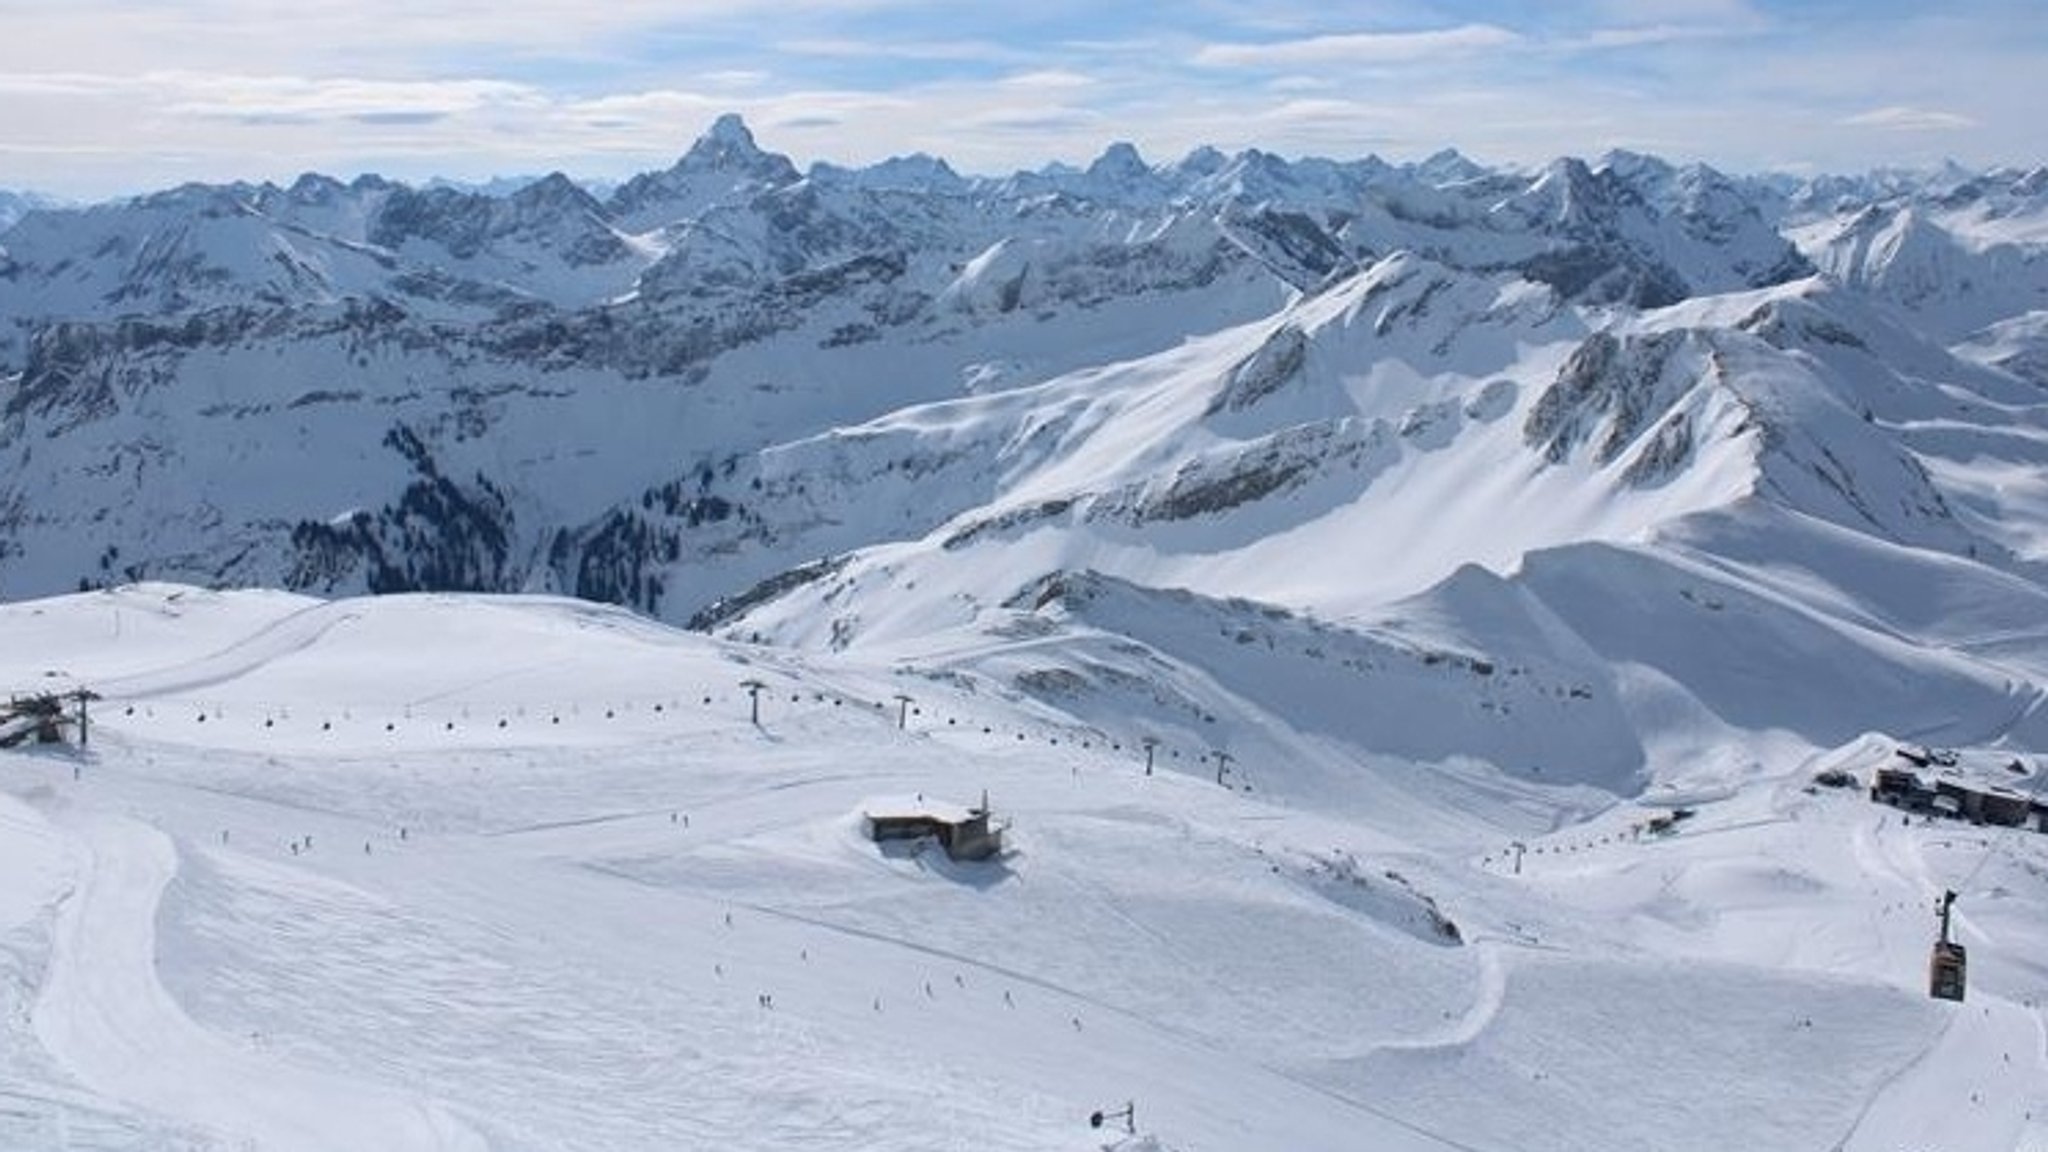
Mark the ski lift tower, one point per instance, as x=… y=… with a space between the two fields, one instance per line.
x=83 y=696
x=754 y=689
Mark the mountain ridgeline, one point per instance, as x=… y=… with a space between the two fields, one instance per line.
x=846 y=406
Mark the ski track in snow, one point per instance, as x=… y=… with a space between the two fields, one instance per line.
x=104 y=1015
x=297 y=632
x=1985 y=1057
x=1396 y=1127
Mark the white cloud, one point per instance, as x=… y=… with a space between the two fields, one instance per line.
x=734 y=78
x=304 y=99
x=1900 y=118
x=1647 y=35
x=928 y=50
x=1689 y=12
x=1360 y=48
x=1300 y=84
x=1050 y=79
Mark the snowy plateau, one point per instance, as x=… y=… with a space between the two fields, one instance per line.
x=1429 y=635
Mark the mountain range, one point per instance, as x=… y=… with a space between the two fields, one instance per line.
x=1562 y=444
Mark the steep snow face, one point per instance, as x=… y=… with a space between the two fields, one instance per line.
x=1421 y=448
x=1471 y=419
x=175 y=253
x=2018 y=344
x=549 y=238
x=1631 y=231
x=1955 y=256
x=1639 y=233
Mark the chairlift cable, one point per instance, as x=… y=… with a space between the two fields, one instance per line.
x=1998 y=841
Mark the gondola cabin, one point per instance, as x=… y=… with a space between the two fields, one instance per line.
x=1948 y=966
x=1947 y=971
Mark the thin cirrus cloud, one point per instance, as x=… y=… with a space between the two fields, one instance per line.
x=232 y=96
x=1359 y=47
x=1901 y=118
x=364 y=101
x=901 y=50
x=1647 y=35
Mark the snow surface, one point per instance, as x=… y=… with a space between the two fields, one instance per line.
x=519 y=873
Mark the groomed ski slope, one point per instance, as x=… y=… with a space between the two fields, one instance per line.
x=448 y=872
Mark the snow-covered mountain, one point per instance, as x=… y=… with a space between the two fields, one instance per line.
x=875 y=408
x=1957 y=252
x=15 y=205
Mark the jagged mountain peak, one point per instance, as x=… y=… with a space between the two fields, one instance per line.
x=729 y=145
x=315 y=188
x=1447 y=166
x=1637 y=168
x=918 y=172
x=724 y=165
x=1119 y=161
x=1201 y=163
x=554 y=192
x=555 y=186
x=1568 y=194
x=199 y=199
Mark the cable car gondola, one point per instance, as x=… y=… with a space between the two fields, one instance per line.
x=1948 y=967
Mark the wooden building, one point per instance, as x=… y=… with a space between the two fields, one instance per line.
x=965 y=833
x=1902 y=788
x=1978 y=787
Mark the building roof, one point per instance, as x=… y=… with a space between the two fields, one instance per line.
x=908 y=808
x=1987 y=770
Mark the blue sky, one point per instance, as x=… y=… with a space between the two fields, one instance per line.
x=100 y=97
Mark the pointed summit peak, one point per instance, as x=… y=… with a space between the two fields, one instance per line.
x=726 y=144
x=553 y=186
x=1203 y=161
x=1119 y=160
x=553 y=192
x=723 y=166
x=731 y=128
x=1628 y=163
x=1448 y=166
